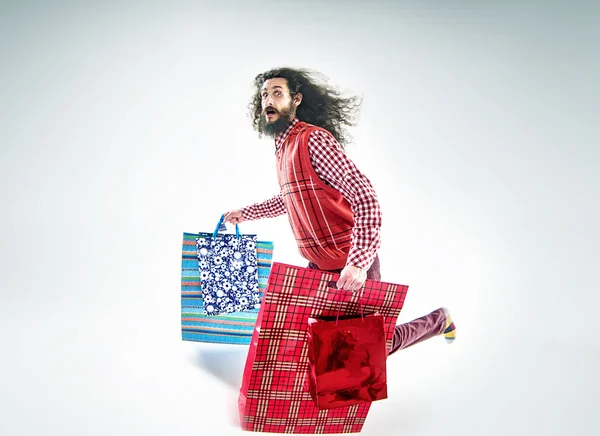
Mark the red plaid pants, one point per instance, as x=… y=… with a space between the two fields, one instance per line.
x=415 y=331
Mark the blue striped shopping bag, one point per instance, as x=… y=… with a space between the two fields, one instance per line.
x=225 y=328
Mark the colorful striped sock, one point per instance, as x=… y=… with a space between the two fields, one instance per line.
x=450 y=332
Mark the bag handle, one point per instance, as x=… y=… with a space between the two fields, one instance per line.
x=333 y=285
x=221 y=226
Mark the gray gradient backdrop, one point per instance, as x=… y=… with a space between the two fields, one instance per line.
x=123 y=124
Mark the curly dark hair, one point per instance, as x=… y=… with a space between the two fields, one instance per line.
x=322 y=105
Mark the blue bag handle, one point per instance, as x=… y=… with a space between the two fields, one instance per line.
x=220 y=223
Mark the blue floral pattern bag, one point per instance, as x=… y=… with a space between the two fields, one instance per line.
x=228 y=269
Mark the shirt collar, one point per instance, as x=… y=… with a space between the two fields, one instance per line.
x=280 y=139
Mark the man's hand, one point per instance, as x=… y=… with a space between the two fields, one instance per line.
x=352 y=278
x=233 y=217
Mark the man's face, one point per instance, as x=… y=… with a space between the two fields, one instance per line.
x=278 y=106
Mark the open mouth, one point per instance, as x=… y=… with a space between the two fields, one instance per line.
x=270 y=112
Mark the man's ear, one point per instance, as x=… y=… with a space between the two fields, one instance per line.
x=297 y=99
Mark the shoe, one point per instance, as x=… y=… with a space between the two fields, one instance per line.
x=450 y=332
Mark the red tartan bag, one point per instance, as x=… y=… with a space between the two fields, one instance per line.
x=275 y=395
x=347 y=360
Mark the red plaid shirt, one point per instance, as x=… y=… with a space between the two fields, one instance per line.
x=333 y=167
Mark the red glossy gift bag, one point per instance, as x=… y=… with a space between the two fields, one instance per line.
x=275 y=396
x=347 y=361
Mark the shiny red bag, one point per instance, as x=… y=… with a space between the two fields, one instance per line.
x=347 y=360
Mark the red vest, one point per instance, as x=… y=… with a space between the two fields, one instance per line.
x=321 y=218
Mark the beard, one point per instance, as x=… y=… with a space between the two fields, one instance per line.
x=278 y=126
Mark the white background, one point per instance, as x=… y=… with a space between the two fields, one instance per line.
x=124 y=124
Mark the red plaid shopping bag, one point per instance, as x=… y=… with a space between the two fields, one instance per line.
x=275 y=396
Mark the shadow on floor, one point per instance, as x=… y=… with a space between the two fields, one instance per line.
x=226 y=364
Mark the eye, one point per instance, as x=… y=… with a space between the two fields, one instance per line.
x=277 y=93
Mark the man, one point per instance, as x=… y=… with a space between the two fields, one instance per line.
x=332 y=207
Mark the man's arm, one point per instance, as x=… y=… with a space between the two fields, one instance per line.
x=270 y=208
x=335 y=168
